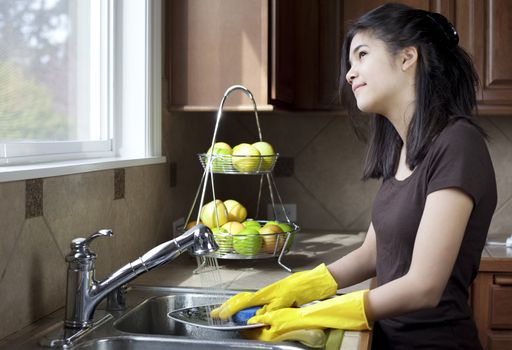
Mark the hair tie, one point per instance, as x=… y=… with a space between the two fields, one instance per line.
x=449 y=32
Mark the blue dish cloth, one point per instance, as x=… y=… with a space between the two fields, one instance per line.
x=242 y=316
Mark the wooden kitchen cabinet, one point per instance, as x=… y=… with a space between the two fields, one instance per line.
x=486 y=33
x=491 y=300
x=285 y=52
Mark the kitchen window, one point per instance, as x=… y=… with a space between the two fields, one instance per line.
x=79 y=86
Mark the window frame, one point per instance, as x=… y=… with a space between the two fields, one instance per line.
x=84 y=156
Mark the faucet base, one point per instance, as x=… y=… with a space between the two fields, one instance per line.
x=63 y=337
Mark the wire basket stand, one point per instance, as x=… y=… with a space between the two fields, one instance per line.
x=254 y=165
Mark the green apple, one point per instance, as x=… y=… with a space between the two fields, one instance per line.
x=247 y=242
x=245 y=158
x=236 y=211
x=270 y=235
x=272 y=222
x=224 y=240
x=267 y=151
x=285 y=227
x=212 y=211
x=222 y=156
x=252 y=224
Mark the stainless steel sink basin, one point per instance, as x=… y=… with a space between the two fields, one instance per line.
x=150 y=317
x=145 y=325
x=161 y=343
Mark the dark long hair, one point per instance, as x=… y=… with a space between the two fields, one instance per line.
x=446 y=83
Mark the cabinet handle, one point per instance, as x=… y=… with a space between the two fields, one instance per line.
x=504 y=280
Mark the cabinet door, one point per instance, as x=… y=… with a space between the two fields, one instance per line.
x=212 y=45
x=305 y=53
x=486 y=33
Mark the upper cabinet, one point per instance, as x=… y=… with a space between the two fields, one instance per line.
x=486 y=33
x=211 y=45
x=287 y=52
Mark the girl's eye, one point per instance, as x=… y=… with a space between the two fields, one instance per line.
x=362 y=54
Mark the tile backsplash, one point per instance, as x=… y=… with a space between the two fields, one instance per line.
x=40 y=217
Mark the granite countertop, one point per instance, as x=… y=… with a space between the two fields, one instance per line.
x=495 y=247
x=307 y=252
x=496 y=256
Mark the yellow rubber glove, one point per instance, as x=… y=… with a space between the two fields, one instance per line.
x=295 y=290
x=343 y=312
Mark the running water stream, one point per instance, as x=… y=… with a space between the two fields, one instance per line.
x=211 y=279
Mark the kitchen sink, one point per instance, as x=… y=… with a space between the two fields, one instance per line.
x=161 y=343
x=145 y=325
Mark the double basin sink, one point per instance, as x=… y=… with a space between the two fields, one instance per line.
x=145 y=324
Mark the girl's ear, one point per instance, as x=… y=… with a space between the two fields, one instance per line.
x=409 y=57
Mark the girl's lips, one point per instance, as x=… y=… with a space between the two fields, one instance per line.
x=357 y=86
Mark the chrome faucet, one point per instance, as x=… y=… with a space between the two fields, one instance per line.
x=84 y=293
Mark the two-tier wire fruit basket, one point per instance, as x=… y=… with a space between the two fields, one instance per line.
x=242 y=246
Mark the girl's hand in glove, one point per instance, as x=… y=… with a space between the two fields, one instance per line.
x=295 y=290
x=343 y=312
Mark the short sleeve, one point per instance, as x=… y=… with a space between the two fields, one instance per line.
x=460 y=159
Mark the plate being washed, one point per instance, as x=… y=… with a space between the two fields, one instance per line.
x=200 y=316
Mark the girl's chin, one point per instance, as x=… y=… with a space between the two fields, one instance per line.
x=364 y=107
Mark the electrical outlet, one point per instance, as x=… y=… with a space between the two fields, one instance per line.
x=177 y=225
x=290 y=209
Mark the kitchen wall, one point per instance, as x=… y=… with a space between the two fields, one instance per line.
x=40 y=217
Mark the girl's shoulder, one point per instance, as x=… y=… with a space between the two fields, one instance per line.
x=460 y=134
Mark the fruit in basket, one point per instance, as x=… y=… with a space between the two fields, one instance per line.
x=270 y=235
x=285 y=227
x=192 y=224
x=267 y=151
x=252 y=224
x=247 y=242
x=272 y=222
x=224 y=240
x=245 y=158
x=236 y=211
x=223 y=151
x=233 y=227
x=213 y=211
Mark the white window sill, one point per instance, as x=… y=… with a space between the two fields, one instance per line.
x=35 y=171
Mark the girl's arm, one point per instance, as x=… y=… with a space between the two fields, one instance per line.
x=436 y=247
x=358 y=265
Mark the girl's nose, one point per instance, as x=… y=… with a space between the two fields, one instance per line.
x=350 y=76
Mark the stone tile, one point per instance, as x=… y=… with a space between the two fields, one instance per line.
x=311 y=211
x=78 y=205
x=146 y=192
x=35 y=278
x=12 y=217
x=501 y=222
x=331 y=168
x=126 y=238
x=33 y=198
x=500 y=148
x=289 y=133
x=119 y=183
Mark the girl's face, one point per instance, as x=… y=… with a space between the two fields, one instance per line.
x=375 y=75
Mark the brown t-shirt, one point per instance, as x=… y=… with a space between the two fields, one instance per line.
x=458 y=158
